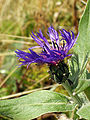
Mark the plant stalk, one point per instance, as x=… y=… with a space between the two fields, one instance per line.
x=76 y=98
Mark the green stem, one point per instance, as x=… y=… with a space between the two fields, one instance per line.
x=76 y=98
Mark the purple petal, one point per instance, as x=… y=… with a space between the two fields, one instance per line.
x=43 y=38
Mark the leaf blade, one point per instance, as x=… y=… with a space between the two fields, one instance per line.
x=82 y=85
x=84 y=111
x=35 y=104
x=83 y=41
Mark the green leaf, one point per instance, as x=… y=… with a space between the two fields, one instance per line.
x=87 y=92
x=35 y=104
x=82 y=85
x=76 y=72
x=83 y=42
x=75 y=69
x=84 y=111
x=82 y=48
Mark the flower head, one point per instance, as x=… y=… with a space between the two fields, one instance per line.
x=51 y=54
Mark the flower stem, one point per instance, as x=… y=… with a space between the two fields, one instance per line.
x=76 y=98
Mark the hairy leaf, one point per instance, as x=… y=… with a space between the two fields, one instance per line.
x=34 y=105
x=82 y=48
x=84 y=111
x=82 y=85
x=83 y=42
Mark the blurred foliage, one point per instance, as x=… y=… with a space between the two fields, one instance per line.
x=17 y=19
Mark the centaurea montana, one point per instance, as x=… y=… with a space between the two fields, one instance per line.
x=53 y=54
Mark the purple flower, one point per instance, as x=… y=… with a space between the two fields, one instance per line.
x=51 y=54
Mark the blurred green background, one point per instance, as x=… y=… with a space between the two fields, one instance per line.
x=17 y=19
